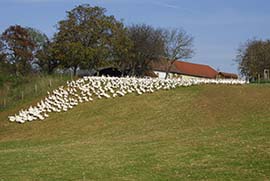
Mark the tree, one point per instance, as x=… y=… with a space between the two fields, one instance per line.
x=148 y=47
x=38 y=38
x=253 y=57
x=3 y=58
x=178 y=45
x=85 y=38
x=18 y=48
x=72 y=55
x=121 y=46
x=47 y=58
x=43 y=52
x=2 y=51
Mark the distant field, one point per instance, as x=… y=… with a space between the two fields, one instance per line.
x=209 y=132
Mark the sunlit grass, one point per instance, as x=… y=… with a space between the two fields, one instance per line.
x=210 y=132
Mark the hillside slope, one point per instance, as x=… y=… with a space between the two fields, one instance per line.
x=200 y=132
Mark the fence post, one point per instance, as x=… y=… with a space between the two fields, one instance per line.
x=50 y=83
x=22 y=95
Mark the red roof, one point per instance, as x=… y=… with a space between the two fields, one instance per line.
x=186 y=68
x=163 y=65
x=229 y=75
x=198 y=70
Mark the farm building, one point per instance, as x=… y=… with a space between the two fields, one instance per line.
x=109 y=71
x=225 y=75
x=159 y=68
x=185 y=69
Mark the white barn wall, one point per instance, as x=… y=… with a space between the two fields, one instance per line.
x=188 y=77
x=160 y=74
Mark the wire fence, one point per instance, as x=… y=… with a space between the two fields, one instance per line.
x=37 y=88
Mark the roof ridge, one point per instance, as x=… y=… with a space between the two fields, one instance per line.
x=199 y=65
x=194 y=63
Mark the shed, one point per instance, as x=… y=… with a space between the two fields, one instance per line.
x=225 y=75
x=109 y=71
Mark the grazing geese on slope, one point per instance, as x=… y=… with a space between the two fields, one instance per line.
x=87 y=88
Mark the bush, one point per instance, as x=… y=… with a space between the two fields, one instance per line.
x=260 y=82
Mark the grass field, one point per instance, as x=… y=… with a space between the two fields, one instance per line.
x=209 y=132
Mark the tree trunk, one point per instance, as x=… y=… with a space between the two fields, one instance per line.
x=169 y=69
x=133 y=71
x=50 y=71
x=50 y=67
x=75 y=70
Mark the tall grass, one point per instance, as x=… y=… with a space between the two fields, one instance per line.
x=15 y=91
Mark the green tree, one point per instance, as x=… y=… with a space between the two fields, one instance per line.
x=38 y=38
x=178 y=45
x=4 y=66
x=18 y=48
x=46 y=58
x=147 y=47
x=2 y=51
x=43 y=52
x=253 y=57
x=121 y=47
x=85 y=38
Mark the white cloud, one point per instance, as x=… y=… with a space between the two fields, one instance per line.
x=166 y=5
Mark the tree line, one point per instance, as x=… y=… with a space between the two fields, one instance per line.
x=88 y=38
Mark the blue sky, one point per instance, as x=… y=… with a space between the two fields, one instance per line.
x=218 y=26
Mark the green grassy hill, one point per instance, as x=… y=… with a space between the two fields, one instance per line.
x=209 y=132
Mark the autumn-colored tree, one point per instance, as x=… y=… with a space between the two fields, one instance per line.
x=18 y=48
x=85 y=38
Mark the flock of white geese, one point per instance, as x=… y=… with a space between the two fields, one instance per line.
x=88 y=88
